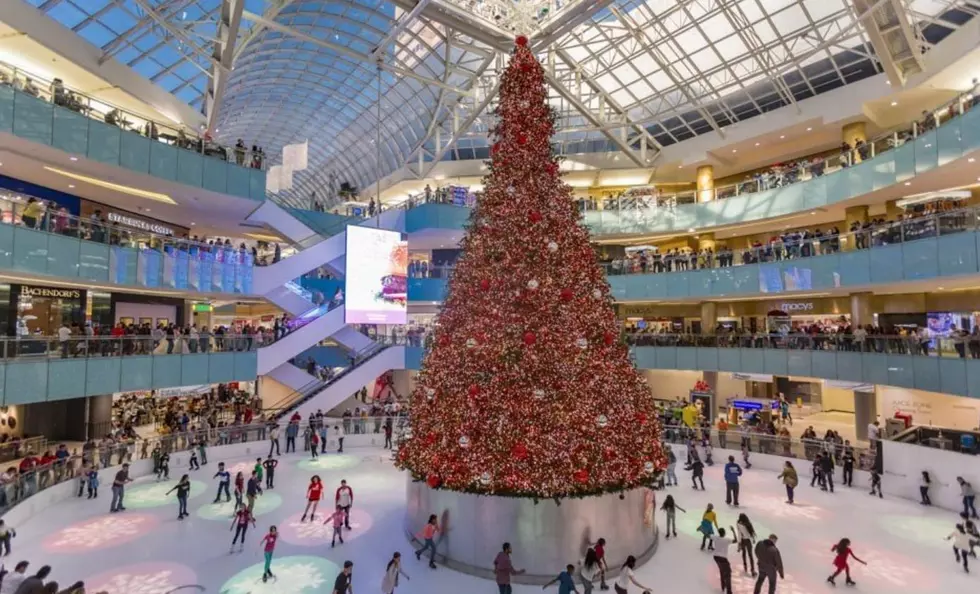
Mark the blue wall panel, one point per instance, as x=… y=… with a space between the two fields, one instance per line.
x=93 y=261
x=666 y=357
x=753 y=361
x=707 y=358
x=70 y=132
x=900 y=371
x=849 y=367
x=238 y=181
x=66 y=378
x=163 y=161
x=7 y=246
x=874 y=368
x=6 y=109
x=104 y=142
x=190 y=168
x=256 y=184
x=30 y=250
x=135 y=154
x=63 y=255
x=25 y=381
x=798 y=363
x=166 y=371
x=925 y=371
x=956 y=254
x=221 y=367
x=687 y=358
x=104 y=375
x=193 y=370
x=952 y=377
x=215 y=175
x=729 y=359
x=138 y=374
x=919 y=259
x=32 y=118
x=246 y=365
x=775 y=362
x=823 y=363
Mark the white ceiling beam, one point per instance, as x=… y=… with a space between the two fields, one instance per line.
x=400 y=26
x=181 y=35
x=230 y=18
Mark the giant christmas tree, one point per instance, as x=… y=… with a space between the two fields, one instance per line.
x=528 y=390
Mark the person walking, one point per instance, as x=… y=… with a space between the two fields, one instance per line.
x=119 y=489
x=961 y=546
x=843 y=551
x=924 y=483
x=427 y=534
x=504 y=569
x=969 y=497
x=670 y=510
x=270 y=471
x=588 y=570
x=337 y=520
x=268 y=544
x=313 y=494
x=790 y=480
x=183 y=488
x=224 y=481
x=344 y=497
x=732 y=472
x=709 y=521
x=274 y=440
x=722 y=546
x=770 y=564
x=394 y=569
x=243 y=517
x=566 y=584
x=626 y=577
x=292 y=430
x=746 y=539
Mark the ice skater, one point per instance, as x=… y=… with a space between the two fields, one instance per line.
x=183 y=488
x=239 y=488
x=670 y=510
x=314 y=493
x=876 y=484
x=732 y=473
x=270 y=471
x=709 y=521
x=565 y=581
x=722 y=546
x=790 y=480
x=625 y=577
x=392 y=572
x=589 y=570
x=697 y=473
x=969 y=497
x=746 y=539
x=844 y=551
x=427 y=535
x=924 y=483
x=961 y=546
x=344 y=497
x=193 y=465
x=92 y=477
x=224 y=481
x=337 y=520
x=671 y=467
x=243 y=517
x=314 y=444
x=268 y=543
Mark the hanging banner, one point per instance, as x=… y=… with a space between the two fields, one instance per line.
x=181 y=269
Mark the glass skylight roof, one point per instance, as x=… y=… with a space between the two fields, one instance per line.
x=677 y=69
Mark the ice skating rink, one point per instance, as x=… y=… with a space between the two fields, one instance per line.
x=146 y=550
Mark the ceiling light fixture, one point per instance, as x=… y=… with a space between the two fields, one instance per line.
x=757 y=144
x=908 y=183
x=782 y=136
x=894 y=103
x=809 y=129
x=73 y=158
x=71 y=185
x=734 y=150
x=970 y=160
x=691 y=230
x=111 y=186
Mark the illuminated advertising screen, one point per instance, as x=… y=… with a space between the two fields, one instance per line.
x=377 y=277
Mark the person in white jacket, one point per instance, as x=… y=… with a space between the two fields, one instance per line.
x=339 y=433
x=961 y=546
x=394 y=569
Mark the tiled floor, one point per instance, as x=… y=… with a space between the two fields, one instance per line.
x=145 y=550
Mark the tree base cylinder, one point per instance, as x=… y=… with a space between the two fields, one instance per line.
x=545 y=536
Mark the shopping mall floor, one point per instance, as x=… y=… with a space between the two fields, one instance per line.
x=146 y=550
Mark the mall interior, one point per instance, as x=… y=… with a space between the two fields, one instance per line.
x=230 y=223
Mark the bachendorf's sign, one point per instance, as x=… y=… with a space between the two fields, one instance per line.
x=30 y=291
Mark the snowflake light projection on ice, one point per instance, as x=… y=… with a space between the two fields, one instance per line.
x=317 y=533
x=294 y=575
x=155 y=494
x=328 y=462
x=143 y=578
x=100 y=533
x=883 y=567
x=222 y=512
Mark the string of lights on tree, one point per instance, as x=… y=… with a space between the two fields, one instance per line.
x=528 y=390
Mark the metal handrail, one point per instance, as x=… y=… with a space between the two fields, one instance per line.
x=964 y=345
x=75 y=346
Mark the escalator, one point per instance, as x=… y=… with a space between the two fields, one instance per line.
x=316 y=325
x=368 y=365
x=314 y=253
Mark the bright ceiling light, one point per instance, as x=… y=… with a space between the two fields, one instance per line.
x=782 y=136
x=757 y=144
x=908 y=183
x=809 y=129
x=894 y=103
x=970 y=160
x=111 y=186
x=73 y=158
x=734 y=150
x=71 y=185
x=691 y=230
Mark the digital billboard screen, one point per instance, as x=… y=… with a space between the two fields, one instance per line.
x=377 y=277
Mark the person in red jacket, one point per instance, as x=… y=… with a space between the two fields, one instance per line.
x=345 y=499
x=313 y=494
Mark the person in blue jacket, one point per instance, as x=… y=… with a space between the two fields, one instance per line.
x=732 y=472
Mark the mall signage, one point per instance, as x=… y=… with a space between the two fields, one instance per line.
x=798 y=307
x=32 y=291
x=129 y=221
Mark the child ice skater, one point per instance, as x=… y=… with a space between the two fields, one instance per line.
x=313 y=494
x=961 y=546
x=670 y=509
x=243 y=517
x=269 y=545
x=843 y=550
x=337 y=517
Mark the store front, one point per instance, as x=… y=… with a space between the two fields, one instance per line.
x=139 y=228
x=41 y=310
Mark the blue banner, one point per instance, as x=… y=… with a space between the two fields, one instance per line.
x=228 y=270
x=148 y=265
x=205 y=271
x=217 y=271
x=169 y=267
x=181 y=266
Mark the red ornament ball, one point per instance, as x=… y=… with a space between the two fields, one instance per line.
x=608 y=338
x=430 y=438
x=526 y=67
x=433 y=481
x=519 y=452
x=521 y=139
x=474 y=389
x=521 y=40
x=484 y=284
x=534 y=216
x=552 y=167
x=566 y=294
x=444 y=340
x=641 y=418
x=495 y=148
x=581 y=475
x=530 y=338
x=608 y=454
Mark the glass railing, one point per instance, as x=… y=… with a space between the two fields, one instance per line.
x=17 y=485
x=39 y=347
x=758 y=439
x=653 y=201
x=57 y=93
x=795 y=245
x=928 y=345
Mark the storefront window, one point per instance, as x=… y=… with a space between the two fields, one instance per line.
x=42 y=310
